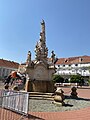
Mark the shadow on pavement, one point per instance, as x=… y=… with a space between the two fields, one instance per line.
x=32 y=117
x=78 y=98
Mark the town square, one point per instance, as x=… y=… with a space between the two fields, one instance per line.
x=44 y=76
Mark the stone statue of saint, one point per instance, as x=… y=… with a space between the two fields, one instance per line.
x=29 y=56
x=53 y=56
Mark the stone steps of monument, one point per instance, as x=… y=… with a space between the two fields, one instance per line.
x=40 y=95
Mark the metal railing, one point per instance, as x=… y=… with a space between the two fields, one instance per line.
x=14 y=101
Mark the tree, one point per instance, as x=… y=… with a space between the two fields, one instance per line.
x=77 y=79
x=58 y=79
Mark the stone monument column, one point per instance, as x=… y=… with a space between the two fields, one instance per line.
x=40 y=71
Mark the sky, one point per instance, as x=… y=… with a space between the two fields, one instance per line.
x=67 y=27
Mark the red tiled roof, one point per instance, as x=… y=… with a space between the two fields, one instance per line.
x=73 y=60
x=10 y=64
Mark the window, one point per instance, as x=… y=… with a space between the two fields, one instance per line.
x=63 y=65
x=73 y=70
x=66 y=60
x=80 y=70
x=58 y=65
x=76 y=64
x=3 y=71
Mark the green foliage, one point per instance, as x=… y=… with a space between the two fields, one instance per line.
x=66 y=81
x=76 y=79
x=58 y=79
x=89 y=81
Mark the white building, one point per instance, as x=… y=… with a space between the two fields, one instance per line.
x=73 y=65
x=6 y=67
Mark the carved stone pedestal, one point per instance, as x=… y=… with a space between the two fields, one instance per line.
x=43 y=86
x=74 y=93
x=28 y=86
x=59 y=97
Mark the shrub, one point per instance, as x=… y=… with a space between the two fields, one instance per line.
x=77 y=79
x=58 y=79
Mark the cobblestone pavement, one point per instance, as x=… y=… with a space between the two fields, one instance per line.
x=82 y=114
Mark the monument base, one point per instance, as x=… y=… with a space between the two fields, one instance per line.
x=43 y=86
x=28 y=86
x=59 y=103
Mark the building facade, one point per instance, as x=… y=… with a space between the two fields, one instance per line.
x=6 y=67
x=73 y=66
